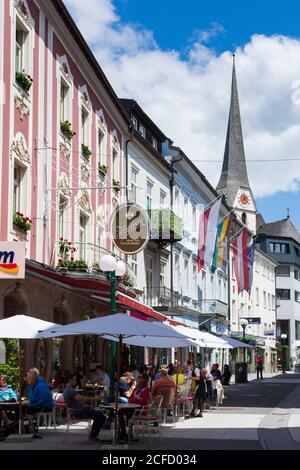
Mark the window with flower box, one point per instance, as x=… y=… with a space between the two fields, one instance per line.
x=22 y=53
x=18 y=174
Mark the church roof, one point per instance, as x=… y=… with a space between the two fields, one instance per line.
x=234 y=170
x=280 y=228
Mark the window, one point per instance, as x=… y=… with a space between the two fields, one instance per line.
x=203 y=281
x=149 y=194
x=195 y=282
x=115 y=163
x=297 y=296
x=162 y=273
x=186 y=212
x=101 y=236
x=177 y=273
x=64 y=90
x=186 y=277
x=176 y=200
x=194 y=229
x=154 y=143
x=84 y=126
x=142 y=131
x=297 y=330
x=21 y=52
x=101 y=148
x=18 y=173
x=212 y=293
x=283 y=271
x=297 y=251
x=134 y=122
x=244 y=218
x=273 y=302
x=257 y=296
x=134 y=177
x=162 y=200
x=269 y=301
x=282 y=248
x=63 y=202
x=219 y=289
x=82 y=235
x=265 y=299
x=297 y=274
x=134 y=264
x=149 y=272
x=283 y=294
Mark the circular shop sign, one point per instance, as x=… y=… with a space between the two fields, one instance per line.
x=129 y=227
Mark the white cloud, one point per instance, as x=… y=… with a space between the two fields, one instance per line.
x=189 y=97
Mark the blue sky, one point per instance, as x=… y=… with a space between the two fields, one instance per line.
x=172 y=56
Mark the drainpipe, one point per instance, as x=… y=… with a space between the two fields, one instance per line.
x=126 y=160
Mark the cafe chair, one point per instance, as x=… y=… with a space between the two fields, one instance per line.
x=149 y=418
x=72 y=421
x=48 y=418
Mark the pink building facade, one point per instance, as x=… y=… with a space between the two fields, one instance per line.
x=62 y=165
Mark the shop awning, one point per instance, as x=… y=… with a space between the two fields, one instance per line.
x=234 y=343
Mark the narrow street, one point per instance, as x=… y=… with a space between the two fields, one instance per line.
x=255 y=416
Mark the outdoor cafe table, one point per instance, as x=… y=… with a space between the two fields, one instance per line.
x=121 y=406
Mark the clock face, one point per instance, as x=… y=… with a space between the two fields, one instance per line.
x=244 y=199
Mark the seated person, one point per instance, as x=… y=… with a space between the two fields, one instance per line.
x=226 y=375
x=141 y=393
x=100 y=375
x=40 y=398
x=140 y=396
x=126 y=385
x=6 y=394
x=165 y=386
x=75 y=402
x=6 y=391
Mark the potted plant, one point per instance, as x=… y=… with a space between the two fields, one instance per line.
x=66 y=129
x=86 y=152
x=65 y=247
x=116 y=185
x=127 y=281
x=24 y=80
x=102 y=169
x=22 y=222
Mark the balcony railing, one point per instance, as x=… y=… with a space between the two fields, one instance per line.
x=163 y=298
x=84 y=258
x=165 y=225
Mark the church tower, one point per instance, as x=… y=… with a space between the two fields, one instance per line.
x=234 y=178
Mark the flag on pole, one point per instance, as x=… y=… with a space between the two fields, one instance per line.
x=250 y=265
x=207 y=234
x=219 y=244
x=240 y=253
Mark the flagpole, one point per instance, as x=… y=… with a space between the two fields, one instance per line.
x=210 y=203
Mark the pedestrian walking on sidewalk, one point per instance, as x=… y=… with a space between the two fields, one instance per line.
x=259 y=367
x=200 y=392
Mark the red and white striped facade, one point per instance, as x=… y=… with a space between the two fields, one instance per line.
x=52 y=166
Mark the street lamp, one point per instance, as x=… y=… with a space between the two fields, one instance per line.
x=244 y=322
x=113 y=269
x=283 y=337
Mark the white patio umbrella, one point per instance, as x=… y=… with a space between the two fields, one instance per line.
x=124 y=328
x=23 y=327
x=202 y=339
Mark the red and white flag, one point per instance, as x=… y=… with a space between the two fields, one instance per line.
x=240 y=254
x=207 y=234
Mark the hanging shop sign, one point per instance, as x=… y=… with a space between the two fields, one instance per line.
x=253 y=320
x=12 y=260
x=129 y=228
